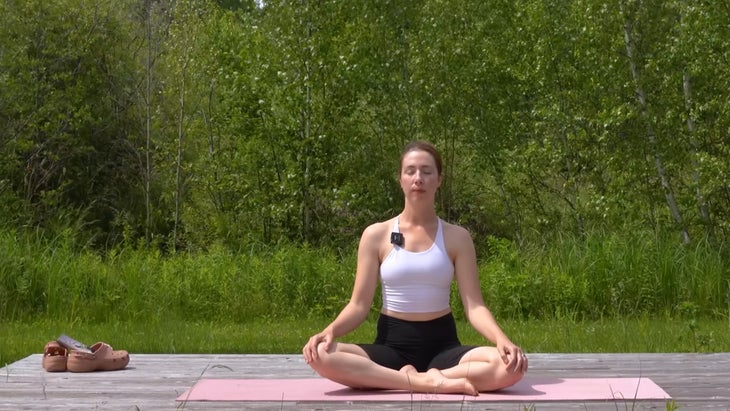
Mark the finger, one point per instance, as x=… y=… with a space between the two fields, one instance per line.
x=511 y=361
x=504 y=353
x=311 y=349
x=327 y=341
x=516 y=359
x=522 y=366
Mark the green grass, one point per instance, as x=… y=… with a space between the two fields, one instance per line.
x=287 y=336
x=601 y=276
x=632 y=292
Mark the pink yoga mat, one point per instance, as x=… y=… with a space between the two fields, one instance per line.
x=321 y=390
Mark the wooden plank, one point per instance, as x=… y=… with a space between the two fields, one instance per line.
x=154 y=381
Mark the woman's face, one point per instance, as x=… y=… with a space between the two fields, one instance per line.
x=419 y=174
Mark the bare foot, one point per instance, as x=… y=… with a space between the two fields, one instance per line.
x=445 y=385
x=408 y=369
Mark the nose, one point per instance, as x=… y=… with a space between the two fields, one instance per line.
x=418 y=177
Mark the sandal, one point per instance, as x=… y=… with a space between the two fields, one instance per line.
x=101 y=358
x=54 y=357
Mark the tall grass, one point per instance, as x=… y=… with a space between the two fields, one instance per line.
x=48 y=278
x=594 y=277
x=607 y=275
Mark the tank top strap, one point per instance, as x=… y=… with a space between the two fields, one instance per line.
x=440 y=235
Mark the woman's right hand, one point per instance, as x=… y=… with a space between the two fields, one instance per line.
x=310 y=349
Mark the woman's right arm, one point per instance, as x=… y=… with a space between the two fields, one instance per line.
x=363 y=293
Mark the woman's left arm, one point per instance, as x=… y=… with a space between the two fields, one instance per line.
x=462 y=252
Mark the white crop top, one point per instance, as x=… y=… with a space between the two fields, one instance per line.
x=417 y=282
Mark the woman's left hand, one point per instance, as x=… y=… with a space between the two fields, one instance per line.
x=513 y=356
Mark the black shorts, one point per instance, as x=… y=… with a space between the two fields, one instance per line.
x=423 y=344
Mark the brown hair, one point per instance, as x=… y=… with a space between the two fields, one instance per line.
x=421 y=145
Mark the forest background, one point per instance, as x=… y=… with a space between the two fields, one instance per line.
x=205 y=159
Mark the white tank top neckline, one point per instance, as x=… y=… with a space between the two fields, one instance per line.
x=417 y=281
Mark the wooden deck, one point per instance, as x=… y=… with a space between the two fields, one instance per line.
x=152 y=382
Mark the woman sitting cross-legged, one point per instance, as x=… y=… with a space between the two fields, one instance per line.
x=416 y=256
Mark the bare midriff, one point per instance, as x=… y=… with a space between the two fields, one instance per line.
x=415 y=316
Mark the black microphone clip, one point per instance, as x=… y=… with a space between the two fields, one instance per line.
x=397 y=239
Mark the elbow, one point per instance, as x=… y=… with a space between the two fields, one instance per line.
x=359 y=311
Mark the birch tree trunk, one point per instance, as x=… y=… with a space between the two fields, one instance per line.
x=148 y=131
x=178 y=162
x=651 y=134
x=687 y=90
x=701 y=201
x=306 y=212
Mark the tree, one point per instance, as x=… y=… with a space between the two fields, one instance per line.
x=66 y=81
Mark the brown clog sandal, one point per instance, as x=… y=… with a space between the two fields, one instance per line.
x=102 y=358
x=54 y=357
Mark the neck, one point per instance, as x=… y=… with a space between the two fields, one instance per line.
x=418 y=216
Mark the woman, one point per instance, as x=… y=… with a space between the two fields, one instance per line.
x=416 y=256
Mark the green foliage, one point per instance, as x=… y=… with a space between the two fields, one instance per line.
x=283 y=123
x=66 y=89
x=603 y=276
x=49 y=278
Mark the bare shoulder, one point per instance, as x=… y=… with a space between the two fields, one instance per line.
x=457 y=238
x=456 y=233
x=378 y=229
x=375 y=240
x=374 y=234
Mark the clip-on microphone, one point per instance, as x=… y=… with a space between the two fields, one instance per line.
x=397 y=239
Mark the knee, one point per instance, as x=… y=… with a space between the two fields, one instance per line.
x=498 y=381
x=513 y=377
x=321 y=363
x=498 y=375
x=509 y=376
